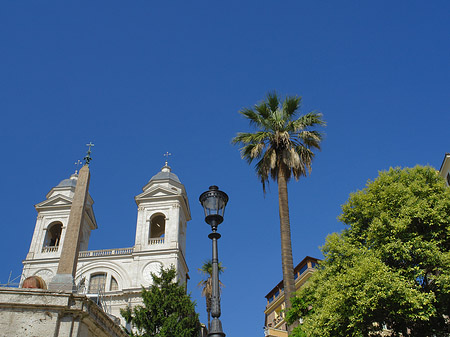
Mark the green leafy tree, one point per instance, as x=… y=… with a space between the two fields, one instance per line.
x=206 y=285
x=390 y=269
x=167 y=311
x=283 y=147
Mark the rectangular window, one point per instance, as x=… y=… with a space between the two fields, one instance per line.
x=303 y=269
x=448 y=178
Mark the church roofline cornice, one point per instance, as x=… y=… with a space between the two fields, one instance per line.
x=156 y=252
x=63 y=188
x=34 y=260
x=182 y=199
x=53 y=207
x=46 y=204
x=161 y=188
x=139 y=199
x=42 y=204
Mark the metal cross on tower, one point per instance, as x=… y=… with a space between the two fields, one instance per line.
x=88 y=158
x=78 y=163
x=167 y=154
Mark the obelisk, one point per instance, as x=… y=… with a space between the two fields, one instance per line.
x=64 y=280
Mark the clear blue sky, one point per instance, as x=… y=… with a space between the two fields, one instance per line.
x=139 y=78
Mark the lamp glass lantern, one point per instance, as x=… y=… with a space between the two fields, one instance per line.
x=214 y=202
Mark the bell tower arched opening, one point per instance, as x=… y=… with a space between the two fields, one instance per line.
x=52 y=237
x=157 y=228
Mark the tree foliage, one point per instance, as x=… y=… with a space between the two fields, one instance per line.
x=390 y=269
x=284 y=140
x=167 y=311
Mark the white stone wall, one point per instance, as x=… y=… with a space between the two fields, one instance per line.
x=38 y=313
x=131 y=272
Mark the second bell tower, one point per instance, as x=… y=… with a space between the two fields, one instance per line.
x=163 y=213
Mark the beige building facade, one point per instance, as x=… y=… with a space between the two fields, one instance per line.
x=274 y=324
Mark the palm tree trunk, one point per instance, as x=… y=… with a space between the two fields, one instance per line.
x=286 y=246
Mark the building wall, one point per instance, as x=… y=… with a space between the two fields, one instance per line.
x=271 y=332
x=35 y=312
x=275 y=326
x=131 y=271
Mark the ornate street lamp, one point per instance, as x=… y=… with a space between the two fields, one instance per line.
x=214 y=202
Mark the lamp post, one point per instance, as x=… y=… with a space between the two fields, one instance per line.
x=214 y=202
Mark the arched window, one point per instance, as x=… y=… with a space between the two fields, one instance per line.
x=157 y=229
x=97 y=283
x=113 y=286
x=52 y=237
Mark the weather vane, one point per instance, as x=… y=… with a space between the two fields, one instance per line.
x=88 y=158
x=77 y=165
x=167 y=154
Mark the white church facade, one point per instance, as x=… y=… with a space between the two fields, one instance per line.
x=115 y=276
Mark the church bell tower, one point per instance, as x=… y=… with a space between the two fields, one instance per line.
x=52 y=220
x=163 y=213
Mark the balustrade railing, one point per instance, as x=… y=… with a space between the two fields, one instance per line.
x=155 y=241
x=50 y=249
x=89 y=253
x=106 y=252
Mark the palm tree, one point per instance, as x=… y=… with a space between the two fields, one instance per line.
x=283 y=146
x=206 y=285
